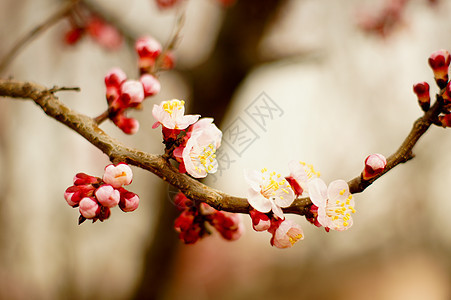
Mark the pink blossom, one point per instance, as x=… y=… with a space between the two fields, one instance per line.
x=374 y=165
x=118 y=175
x=89 y=208
x=115 y=77
x=421 y=89
x=148 y=47
x=439 y=61
x=129 y=201
x=107 y=196
x=148 y=50
x=268 y=191
x=75 y=193
x=150 y=84
x=287 y=234
x=300 y=175
x=335 y=203
x=199 y=156
x=127 y=125
x=171 y=114
x=260 y=221
x=113 y=80
x=132 y=93
x=82 y=179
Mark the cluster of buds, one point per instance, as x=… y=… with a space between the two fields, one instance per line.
x=439 y=62
x=94 y=26
x=192 y=222
x=149 y=51
x=188 y=140
x=95 y=196
x=269 y=192
x=285 y=233
x=123 y=93
x=386 y=20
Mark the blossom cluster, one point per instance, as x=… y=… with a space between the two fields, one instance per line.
x=95 y=196
x=94 y=26
x=332 y=206
x=123 y=94
x=439 y=61
x=192 y=222
x=191 y=141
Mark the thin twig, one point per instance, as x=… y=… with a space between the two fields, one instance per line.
x=20 y=44
x=102 y=117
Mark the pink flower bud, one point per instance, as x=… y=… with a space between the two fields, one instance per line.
x=89 y=208
x=260 y=221
x=421 y=89
x=82 y=179
x=118 y=175
x=107 y=196
x=150 y=84
x=148 y=47
x=115 y=77
x=439 y=62
x=75 y=193
x=132 y=93
x=129 y=201
x=168 y=61
x=374 y=165
x=287 y=234
x=127 y=125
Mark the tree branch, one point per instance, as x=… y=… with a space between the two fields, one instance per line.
x=157 y=164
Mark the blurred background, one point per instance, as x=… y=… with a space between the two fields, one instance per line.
x=337 y=76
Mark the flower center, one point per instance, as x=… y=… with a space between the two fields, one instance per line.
x=310 y=171
x=170 y=106
x=340 y=211
x=272 y=184
x=205 y=159
x=294 y=239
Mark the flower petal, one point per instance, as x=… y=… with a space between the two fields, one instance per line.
x=318 y=192
x=258 y=202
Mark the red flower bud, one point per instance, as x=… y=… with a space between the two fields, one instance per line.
x=439 y=62
x=445 y=120
x=421 y=89
x=374 y=165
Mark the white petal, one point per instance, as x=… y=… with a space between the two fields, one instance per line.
x=338 y=190
x=253 y=178
x=318 y=192
x=284 y=196
x=277 y=210
x=257 y=201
